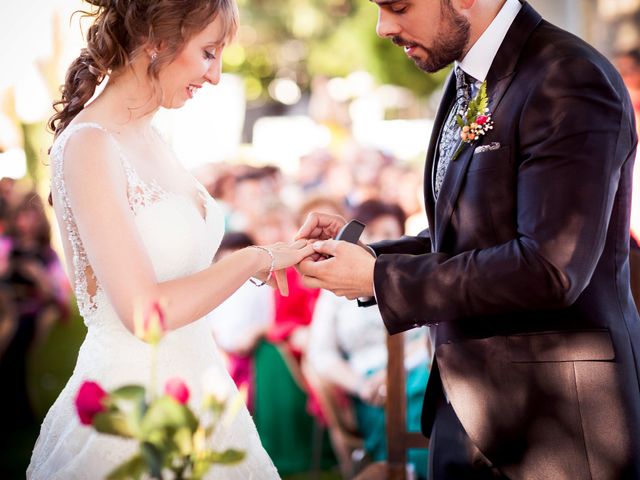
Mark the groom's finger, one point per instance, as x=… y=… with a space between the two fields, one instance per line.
x=327 y=247
x=309 y=227
x=312 y=268
x=320 y=226
x=312 y=282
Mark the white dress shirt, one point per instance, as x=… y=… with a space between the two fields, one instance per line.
x=479 y=58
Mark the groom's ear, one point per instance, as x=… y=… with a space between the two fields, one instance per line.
x=467 y=8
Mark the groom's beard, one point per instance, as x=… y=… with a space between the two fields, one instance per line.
x=448 y=46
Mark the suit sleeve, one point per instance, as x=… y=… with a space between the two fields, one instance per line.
x=417 y=245
x=574 y=138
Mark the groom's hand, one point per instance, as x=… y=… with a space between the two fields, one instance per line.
x=347 y=273
x=320 y=226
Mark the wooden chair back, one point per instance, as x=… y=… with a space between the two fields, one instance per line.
x=399 y=440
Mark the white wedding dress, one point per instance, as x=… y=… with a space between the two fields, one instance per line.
x=179 y=242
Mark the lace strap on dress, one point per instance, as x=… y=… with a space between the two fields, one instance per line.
x=80 y=262
x=139 y=194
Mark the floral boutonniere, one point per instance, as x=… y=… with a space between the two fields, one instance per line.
x=476 y=121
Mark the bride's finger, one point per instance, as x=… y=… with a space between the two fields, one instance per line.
x=298 y=243
x=305 y=252
x=281 y=282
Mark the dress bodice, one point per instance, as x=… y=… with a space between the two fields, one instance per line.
x=178 y=240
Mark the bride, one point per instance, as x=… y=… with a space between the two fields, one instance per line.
x=137 y=227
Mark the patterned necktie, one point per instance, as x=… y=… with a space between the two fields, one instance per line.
x=450 y=138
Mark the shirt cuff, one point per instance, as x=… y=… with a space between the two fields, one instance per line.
x=369 y=301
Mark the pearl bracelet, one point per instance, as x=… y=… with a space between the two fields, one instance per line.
x=273 y=264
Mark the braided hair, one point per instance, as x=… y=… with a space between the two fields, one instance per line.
x=121 y=30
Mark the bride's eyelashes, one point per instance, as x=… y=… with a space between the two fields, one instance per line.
x=209 y=55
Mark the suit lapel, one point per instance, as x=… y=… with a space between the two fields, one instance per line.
x=499 y=78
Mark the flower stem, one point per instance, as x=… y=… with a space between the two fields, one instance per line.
x=458 y=151
x=154 y=375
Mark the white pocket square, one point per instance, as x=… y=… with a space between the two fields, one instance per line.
x=487 y=148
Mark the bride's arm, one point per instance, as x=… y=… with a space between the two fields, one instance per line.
x=97 y=191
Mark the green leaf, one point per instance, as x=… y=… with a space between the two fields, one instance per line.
x=459 y=120
x=154 y=458
x=183 y=439
x=134 y=468
x=469 y=115
x=129 y=392
x=483 y=99
x=213 y=404
x=226 y=458
x=202 y=464
x=167 y=414
x=131 y=400
x=473 y=111
x=200 y=468
x=113 y=423
x=135 y=416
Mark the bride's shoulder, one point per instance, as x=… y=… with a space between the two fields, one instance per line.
x=85 y=148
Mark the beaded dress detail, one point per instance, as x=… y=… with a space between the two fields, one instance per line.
x=179 y=242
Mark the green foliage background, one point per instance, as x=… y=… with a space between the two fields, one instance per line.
x=299 y=39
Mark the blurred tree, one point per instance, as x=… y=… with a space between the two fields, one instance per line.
x=298 y=39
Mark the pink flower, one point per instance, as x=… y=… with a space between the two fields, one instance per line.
x=154 y=316
x=90 y=402
x=482 y=119
x=152 y=326
x=177 y=389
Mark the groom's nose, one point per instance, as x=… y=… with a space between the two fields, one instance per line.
x=386 y=26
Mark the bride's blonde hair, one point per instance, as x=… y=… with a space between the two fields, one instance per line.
x=121 y=30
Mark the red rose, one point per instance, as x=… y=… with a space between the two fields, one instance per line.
x=177 y=389
x=89 y=401
x=482 y=119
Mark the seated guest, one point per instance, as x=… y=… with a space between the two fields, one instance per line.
x=241 y=321
x=347 y=348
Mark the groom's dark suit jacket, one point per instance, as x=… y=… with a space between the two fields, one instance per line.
x=525 y=279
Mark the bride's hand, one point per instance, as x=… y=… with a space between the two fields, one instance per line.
x=285 y=254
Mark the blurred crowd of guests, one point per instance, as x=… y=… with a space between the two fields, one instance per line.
x=34 y=293
x=291 y=353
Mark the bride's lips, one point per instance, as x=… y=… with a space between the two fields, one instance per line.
x=192 y=89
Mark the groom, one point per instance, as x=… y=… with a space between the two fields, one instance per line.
x=524 y=278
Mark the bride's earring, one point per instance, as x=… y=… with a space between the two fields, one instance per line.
x=154 y=56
